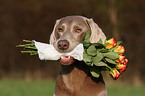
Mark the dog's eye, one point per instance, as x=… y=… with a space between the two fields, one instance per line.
x=60 y=29
x=78 y=30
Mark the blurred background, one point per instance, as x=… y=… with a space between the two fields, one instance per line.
x=35 y=19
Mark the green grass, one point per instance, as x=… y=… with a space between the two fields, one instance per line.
x=46 y=88
x=126 y=90
x=24 y=88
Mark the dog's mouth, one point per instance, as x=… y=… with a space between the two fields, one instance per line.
x=66 y=60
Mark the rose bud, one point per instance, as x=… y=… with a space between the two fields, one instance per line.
x=122 y=67
x=120 y=54
x=125 y=61
x=111 y=41
x=121 y=58
x=109 y=46
x=119 y=49
x=115 y=74
x=117 y=60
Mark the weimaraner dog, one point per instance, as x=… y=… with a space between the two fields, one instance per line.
x=75 y=78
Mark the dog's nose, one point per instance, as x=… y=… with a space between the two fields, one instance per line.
x=63 y=44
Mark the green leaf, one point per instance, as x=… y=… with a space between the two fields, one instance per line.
x=92 y=50
x=111 y=55
x=87 y=37
x=86 y=57
x=104 y=50
x=98 y=45
x=86 y=45
x=110 y=61
x=101 y=64
x=95 y=72
x=97 y=58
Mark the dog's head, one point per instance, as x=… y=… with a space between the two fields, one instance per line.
x=69 y=31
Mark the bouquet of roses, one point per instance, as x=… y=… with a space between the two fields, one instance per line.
x=100 y=57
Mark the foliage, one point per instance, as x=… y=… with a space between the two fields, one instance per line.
x=103 y=56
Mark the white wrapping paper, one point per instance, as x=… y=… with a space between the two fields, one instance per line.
x=48 y=52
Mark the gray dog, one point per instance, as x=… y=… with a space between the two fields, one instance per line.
x=75 y=78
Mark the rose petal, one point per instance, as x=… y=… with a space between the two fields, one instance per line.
x=115 y=74
x=117 y=60
x=125 y=61
x=109 y=46
x=119 y=49
x=111 y=41
x=121 y=58
x=122 y=67
x=122 y=50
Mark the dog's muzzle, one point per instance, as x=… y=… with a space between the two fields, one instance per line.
x=63 y=45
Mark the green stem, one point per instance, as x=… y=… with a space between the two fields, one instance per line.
x=28 y=41
x=108 y=67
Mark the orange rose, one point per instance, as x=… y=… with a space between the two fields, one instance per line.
x=112 y=43
x=109 y=46
x=121 y=58
x=122 y=67
x=125 y=61
x=119 y=49
x=115 y=74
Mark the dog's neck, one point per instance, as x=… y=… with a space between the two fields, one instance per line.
x=76 y=80
x=75 y=74
x=76 y=66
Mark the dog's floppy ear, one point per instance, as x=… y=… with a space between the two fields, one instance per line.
x=53 y=36
x=96 y=32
